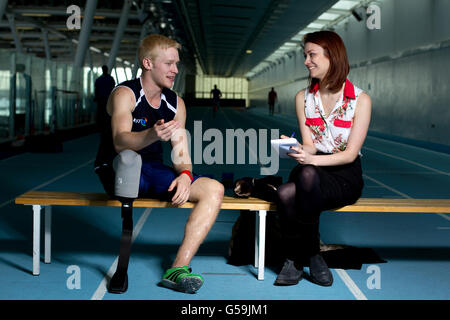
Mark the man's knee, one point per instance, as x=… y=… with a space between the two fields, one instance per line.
x=127 y=165
x=214 y=191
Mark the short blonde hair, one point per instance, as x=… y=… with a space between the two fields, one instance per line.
x=148 y=46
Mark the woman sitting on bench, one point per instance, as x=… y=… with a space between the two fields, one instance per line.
x=334 y=117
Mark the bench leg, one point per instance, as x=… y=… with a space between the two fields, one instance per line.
x=260 y=242
x=36 y=238
x=48 y=235
x=256 y=239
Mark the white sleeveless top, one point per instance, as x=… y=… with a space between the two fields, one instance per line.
x=330 y=135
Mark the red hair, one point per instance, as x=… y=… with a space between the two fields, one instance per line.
x=335 y=51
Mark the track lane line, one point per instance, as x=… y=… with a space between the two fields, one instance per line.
x=102 y=287
x=374 y=150
x=49 y=181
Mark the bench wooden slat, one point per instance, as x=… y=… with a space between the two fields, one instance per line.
x=101 y=199
x=49 y=198
x=362 y=205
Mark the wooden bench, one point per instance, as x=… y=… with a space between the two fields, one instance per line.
x=46 y=199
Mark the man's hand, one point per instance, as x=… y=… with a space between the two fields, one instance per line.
x=164 y=131
x=183 y=185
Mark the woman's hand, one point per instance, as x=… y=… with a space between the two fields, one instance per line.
x=300 y=155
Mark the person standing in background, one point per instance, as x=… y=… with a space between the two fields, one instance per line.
x=103 y=88
x=271 y=99
x=216 y=95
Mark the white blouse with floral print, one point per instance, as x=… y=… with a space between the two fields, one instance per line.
x=330 y=135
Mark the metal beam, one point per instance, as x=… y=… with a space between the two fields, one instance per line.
x=3 y=4
x=104 y=46
x=117 y=76
x=52 y=30
x=12 y=25
x=119 y=34
x=136 y=59
x=46 y=44
x=83 y=41
x=61 y=11
x=182 y=11
x=20 y=22
x=93 y=37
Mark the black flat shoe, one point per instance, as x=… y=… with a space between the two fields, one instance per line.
x=319 y=272
x=289 y=275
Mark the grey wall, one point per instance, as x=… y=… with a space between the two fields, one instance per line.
x=404 y=67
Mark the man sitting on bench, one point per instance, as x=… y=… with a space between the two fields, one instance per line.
x=144 y=112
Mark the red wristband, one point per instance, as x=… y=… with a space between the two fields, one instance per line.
x=188 y=173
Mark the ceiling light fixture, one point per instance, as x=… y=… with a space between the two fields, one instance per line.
x=36 y=14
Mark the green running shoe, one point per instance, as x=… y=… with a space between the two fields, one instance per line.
x=181 y=279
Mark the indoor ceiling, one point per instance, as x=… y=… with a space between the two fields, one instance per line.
x=227 y=37
x=225 y=30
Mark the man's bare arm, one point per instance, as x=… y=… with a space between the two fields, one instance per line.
x=120 y=106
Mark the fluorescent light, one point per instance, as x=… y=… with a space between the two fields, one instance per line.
x=328 y=16
x=298 y=37
x=31 y=14
x=315 y=25
x=345 y=4
x=95 y=49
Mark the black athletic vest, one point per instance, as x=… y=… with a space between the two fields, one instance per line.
x=144 y=117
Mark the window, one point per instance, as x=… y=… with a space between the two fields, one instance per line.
x=231 y=88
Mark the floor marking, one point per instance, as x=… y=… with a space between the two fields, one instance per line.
x=402 y=172
x=357 y=293
x=11 y=157
x=348 y=281
x=409 y=145
x=380 y=152
x=225 y=274
x=404 y=195
x=443 y=215
x=393 y=189
x=409 y=161
x=101 y=290
x=50 y=181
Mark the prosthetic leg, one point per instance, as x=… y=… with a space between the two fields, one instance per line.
x=127 y=166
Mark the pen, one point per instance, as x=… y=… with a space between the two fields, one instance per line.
x=292 y=134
